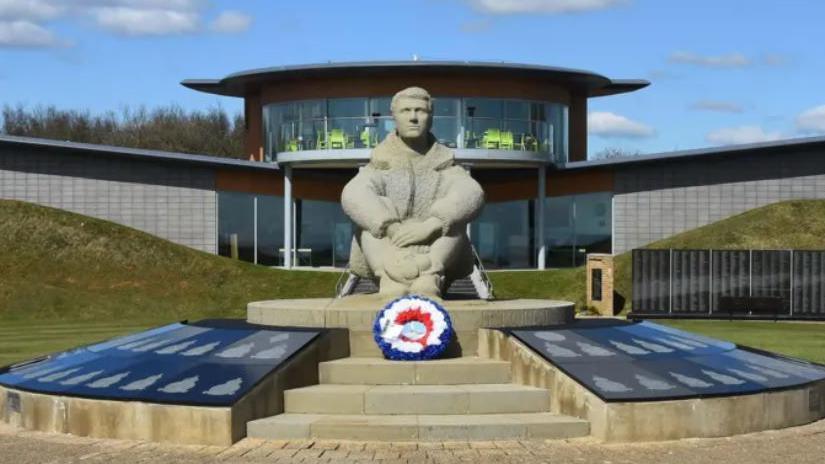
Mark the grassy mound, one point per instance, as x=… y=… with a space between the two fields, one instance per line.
x=57 y=265
x=796 y=224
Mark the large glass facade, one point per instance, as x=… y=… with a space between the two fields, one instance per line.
x=504 y=235
x=577 y=225
x=475 y=123
x=323 y=233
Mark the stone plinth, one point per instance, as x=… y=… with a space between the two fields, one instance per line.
x=357 y=314
x=600 y=283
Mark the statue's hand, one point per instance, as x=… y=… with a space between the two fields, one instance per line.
x=412 y=233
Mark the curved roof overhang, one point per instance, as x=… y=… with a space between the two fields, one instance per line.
x=248 y=82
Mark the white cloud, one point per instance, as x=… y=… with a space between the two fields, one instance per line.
x=606 y=124
x=732 y=60
x=30 y=9
x=134 y=21
x=812 y=120
x=230 y=22
x=25 y=34
x=542 y=6
x=24 y=21
x=717 y=105
x=741 y=134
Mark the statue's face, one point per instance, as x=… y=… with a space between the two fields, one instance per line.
x=412 y=118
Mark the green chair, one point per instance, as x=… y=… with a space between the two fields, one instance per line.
x=491 y=139
x=506 y=142
x=292 y=145
x=337 y=139
x=321 y=141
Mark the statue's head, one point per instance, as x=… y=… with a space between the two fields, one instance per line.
x=412 y=110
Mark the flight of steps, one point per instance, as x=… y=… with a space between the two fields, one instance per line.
x=374 y=399
x=461 y=289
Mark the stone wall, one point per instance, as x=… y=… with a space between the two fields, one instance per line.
x=175 y=201
x=655 y=201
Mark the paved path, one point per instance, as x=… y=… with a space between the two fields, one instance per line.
x=797 y=445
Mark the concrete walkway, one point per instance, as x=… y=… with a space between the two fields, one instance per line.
x=797 y=445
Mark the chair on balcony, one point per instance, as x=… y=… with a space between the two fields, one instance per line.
x=321 y=142
x=491 y=139
x=506 y=142
x=338 y=139
x=293 y=145
x=367 y=140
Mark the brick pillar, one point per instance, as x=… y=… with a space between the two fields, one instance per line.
x=600 y=297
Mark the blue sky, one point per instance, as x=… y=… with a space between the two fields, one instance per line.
x=722 y=71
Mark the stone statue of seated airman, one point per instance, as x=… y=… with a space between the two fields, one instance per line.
x=411 y=205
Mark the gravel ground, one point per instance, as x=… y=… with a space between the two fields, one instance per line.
x=805 y=444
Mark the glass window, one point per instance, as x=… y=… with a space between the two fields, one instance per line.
x=444 y=106
x=592 y=224
x=347 y=107
x=483 y=108
x=236 y=225
x=325 y=234
x=502 y=235
x=514 y=109
x=558 y=231
x=270 y=229
x=380 y=107
x=577 y=225
x=486 y=123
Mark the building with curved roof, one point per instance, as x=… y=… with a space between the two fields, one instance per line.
x=521 y=131
x=507 y=123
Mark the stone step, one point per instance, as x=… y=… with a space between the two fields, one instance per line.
x=379 y=371
x=416 y=399
x=418 y=427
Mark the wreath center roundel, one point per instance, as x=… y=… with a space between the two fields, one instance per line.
x=412 y=328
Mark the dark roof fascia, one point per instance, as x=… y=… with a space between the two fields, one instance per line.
x=241 y=83
x=618 y=86
x=732 y=150
x=137 y=153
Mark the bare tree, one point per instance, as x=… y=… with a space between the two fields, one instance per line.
x=168 y=128
x=615 y=152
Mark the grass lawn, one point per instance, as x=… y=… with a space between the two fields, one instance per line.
x=20 y=341
x=799 y=340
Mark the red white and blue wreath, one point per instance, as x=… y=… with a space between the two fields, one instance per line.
x=412 y=328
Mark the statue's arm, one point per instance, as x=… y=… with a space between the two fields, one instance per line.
x=462 y=201
x=364 y=203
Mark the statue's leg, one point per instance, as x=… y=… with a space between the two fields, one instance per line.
x=443 y=254
x=375 y=251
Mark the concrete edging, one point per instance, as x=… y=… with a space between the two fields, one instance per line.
x=181 y=424
x=656 y=420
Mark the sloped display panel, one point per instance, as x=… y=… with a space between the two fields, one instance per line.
x=209 y=363
x=643 y=361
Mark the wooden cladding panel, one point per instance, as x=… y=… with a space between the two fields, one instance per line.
x=309 y=186
x=253 y=116
x=264 y=183
x=314 y=186
x=570 y=183
x=360 y=86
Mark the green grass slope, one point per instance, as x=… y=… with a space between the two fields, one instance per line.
x=56 y=265
x=797 y=224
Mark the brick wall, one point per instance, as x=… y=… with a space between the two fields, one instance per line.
x=655 y=201
x=174 y=201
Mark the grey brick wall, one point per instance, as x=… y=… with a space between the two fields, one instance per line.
x=655 y=201
x=174 y=201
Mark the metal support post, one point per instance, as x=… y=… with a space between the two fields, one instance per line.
x=288 y=227
x=541 y=257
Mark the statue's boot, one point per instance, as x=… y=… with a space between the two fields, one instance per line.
x=391 y=288
x=427 y=285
